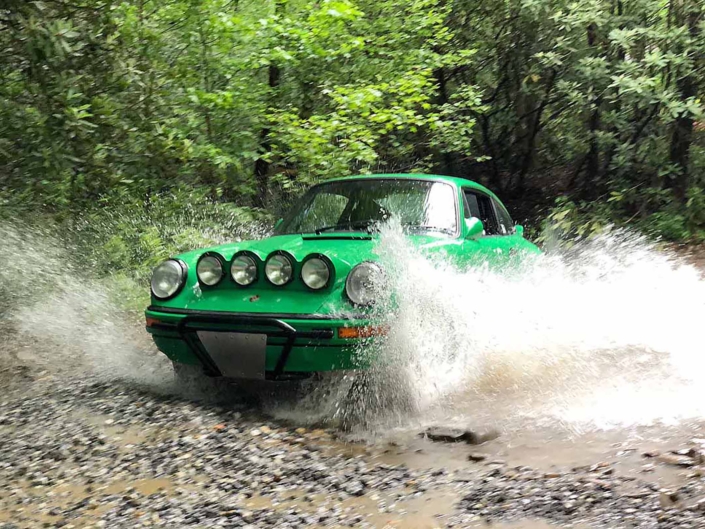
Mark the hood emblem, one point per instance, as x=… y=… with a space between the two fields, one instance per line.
x=254 y=298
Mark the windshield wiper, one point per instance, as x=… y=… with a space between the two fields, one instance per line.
x=357 y=225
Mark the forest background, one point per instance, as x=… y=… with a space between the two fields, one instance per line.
x=140 y=128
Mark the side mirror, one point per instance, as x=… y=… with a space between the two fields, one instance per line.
x=473 y=228
x=519 y=230
x=278 y=223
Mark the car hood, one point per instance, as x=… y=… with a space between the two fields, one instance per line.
x=344 y=251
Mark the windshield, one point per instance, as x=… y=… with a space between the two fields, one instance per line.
x=359 y=205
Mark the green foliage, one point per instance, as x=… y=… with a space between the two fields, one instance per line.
x=126 y=237
x=107 y=102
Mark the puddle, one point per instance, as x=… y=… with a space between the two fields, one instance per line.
x=145 y=487
x=381 y=509
x=525 y=524
x=543 y=449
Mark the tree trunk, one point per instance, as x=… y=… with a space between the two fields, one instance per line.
x=591 y=183
x=262 y=165
x=442 y=99
x=534 y=129
x=682 y=136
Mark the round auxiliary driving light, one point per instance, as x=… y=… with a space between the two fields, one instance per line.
x=279 y=270
x=209 y=270
x=315 y=273
x=363 y=283
x=168 y=278
x=243 y=270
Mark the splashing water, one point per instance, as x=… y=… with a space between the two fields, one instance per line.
x=56 y=317
x=605 y=334
x=602 y=335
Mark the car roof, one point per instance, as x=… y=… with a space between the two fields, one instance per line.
x=460 y=182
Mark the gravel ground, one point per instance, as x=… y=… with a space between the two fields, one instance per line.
x=97 y=454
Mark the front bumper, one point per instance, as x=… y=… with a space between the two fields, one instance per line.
x=296 y=344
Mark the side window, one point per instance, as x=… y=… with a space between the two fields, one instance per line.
x=506 y=225
x=480 y=206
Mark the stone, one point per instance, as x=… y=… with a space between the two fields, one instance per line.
x=356 y=488
x=667 y=499
x=675 y=460
x=456 y=435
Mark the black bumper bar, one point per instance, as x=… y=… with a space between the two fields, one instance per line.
x=189 y=325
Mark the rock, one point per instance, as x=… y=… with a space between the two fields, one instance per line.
x=675 y=460
x=667 y=499
x=456 y=435
x=696 y=455
x=356 y=488
x=599 y=466
x=475 y=456
x=445 y=435
x=638 y=494
x=697 y=472
x=478 y=438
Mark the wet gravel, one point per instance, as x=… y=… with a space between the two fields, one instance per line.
x=97 y=454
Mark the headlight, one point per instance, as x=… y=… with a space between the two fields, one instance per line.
x=363 y=283
x=315 y=273
x=243 y=270
x=168 y=279
x=279 y=269
x=210 y=269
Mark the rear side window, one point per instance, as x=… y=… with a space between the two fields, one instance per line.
x=480 y=206
x=506 y=224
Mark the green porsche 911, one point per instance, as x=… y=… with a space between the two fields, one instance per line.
x=299 y=301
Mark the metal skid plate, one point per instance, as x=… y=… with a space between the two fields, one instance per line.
x=237 y=355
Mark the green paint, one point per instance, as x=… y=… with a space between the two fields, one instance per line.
x=345 y=248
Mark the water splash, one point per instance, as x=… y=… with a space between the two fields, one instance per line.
x=57 y=317
x=604 y=334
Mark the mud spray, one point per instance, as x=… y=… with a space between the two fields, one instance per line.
x=605 y=334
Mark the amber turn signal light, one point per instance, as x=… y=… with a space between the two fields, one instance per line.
x=151 y=322
x=361 y=332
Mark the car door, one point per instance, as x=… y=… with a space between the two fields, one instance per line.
x=499 y=242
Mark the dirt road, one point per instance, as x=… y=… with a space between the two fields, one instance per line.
x=83 y=452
